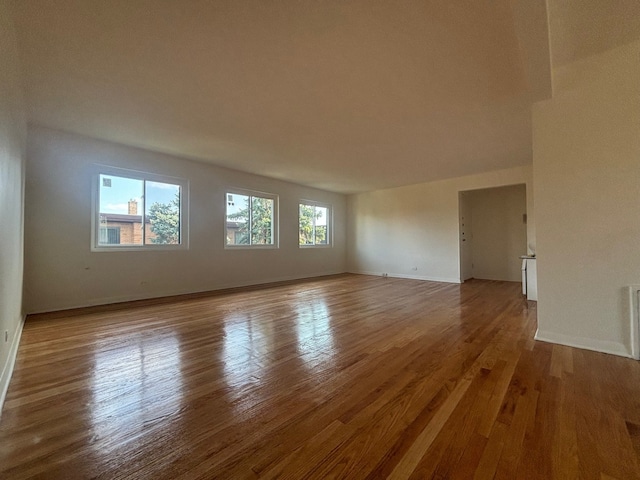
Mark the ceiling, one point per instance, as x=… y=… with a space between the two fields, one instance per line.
x=344 y=96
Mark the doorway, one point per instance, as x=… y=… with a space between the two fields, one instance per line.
x=493 y=232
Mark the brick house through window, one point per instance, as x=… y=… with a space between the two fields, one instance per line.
x=124 y=229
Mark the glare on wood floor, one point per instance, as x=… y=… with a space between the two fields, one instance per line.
x=340 y=377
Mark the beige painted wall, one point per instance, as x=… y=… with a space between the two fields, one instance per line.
x=12 y=146
x=396 y=230
x=62 y=272
x=498 y=232
x=587 y=190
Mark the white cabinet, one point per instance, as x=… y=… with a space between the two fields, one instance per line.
x=529 y=277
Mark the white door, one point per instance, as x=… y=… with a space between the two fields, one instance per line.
x=466 y=249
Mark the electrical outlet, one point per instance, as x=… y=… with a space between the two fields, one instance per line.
x=414 y=268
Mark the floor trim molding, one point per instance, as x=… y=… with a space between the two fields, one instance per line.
x=602 y=346
x=7 y=370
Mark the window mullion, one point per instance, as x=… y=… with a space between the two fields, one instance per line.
x=313 y=237
x=250 y=220
x=142 y=216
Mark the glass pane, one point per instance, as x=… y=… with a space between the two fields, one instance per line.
x=162 y=223
x=321 y=226
x=103 y=235
x=120 y=206
x=237 y=219
x=307 y=213
x=261 y=221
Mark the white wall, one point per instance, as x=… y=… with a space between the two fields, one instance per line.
x=498 y=232
x=587 y=190
x=12 y=139
x=395 y=230
x=62 y=272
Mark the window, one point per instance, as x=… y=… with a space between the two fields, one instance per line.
x=315 y=224
x=110 y=235
x=134 y=210
x=251 y=219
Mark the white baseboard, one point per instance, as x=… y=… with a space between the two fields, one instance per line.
x=634 y=318
x=410 y=277
x=7 y=369
x=602 y=346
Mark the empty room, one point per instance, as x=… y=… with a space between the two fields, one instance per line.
x=341 y=239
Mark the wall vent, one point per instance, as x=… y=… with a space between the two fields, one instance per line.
x=634 y=309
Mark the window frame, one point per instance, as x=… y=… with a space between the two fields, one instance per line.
x=144 y=177
x=329 y=207
x=275 y=222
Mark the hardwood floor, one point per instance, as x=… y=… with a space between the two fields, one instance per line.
x=341 y=377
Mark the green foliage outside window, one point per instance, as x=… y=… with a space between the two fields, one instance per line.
x=255 y=221
x=165 y=222
x=313 y=227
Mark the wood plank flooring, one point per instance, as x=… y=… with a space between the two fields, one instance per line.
x=352 y=376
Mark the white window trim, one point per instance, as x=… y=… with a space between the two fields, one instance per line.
x=329 y=207
x=276 y=216
x=137 y=175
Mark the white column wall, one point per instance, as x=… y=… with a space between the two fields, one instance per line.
x=587 y=190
